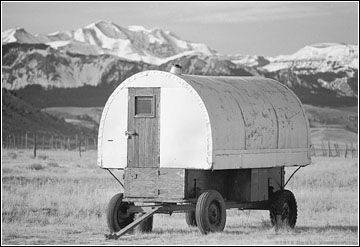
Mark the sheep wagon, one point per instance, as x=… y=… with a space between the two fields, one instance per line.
x=201 y=145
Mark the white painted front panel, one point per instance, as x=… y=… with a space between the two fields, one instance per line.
x=185 y=131
x=114 y=141
x=184 y=141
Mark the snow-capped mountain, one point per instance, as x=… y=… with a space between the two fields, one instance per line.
x=251 y=61
x=104 y=53
x=40 y=64
x=134 y=43
x=329 y=66
x=319 y=57
x=21 y=36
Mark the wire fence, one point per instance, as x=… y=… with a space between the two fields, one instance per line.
x=334 y=149
x=83 y=143
x=50 y=142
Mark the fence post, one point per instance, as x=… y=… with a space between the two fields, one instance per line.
x=14 y=141
x=323 y=149
x=51 y=142
x=79 y=146
x=312 y=150
x=26 y=139
x=34 y=145
x=330 y=154
x=346 y=150
x=337 y=151
x=68 y=143
x=352 y=150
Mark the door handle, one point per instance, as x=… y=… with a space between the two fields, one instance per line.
x=129 y=134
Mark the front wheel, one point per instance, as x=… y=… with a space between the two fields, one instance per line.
x=210 y=212
x=283 y=209
x=117 y=216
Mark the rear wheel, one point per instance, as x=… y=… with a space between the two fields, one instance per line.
x=283 y=209
x=117 y=216
x=210 y=212
x=190 y=218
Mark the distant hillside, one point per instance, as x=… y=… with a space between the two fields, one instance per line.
x=82 y=116
x=320 y=117
x=19 y=117
x=86 y=96
x=333 y=135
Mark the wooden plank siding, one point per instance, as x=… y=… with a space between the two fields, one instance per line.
x=144 y=146
x=160 y=184
x=141 y=182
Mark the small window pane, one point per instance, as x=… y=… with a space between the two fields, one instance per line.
x=144 y=105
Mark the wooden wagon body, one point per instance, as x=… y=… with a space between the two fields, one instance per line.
x=177 y=136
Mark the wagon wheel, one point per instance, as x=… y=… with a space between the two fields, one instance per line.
x=116 y=215
x=283 y=209
x=190 y=218
x=146 y=225
x=210 y=212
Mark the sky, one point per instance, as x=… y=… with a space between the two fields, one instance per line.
x=247 y=28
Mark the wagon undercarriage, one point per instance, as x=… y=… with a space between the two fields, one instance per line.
x=203 y=195
x=208 y=212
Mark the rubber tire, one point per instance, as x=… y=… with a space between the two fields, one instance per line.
x=116 y=216
x=280 y=201
x=190 y=218
x=210 y=200
x=146 y=225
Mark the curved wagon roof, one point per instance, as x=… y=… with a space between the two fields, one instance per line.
x=213 y=122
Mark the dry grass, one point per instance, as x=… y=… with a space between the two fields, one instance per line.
x=65 y=203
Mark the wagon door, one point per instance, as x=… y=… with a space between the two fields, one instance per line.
x=143 y=153
x=143 y=128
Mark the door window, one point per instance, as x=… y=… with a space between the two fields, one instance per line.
x=144 y=106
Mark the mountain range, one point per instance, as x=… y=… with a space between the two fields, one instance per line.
x=104 y=37
x=95 y=59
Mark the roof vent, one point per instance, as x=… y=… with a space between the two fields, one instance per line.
x=176 y=69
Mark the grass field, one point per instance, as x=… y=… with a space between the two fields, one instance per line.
x=60 y=198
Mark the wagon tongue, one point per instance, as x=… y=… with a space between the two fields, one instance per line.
x=116 y=235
